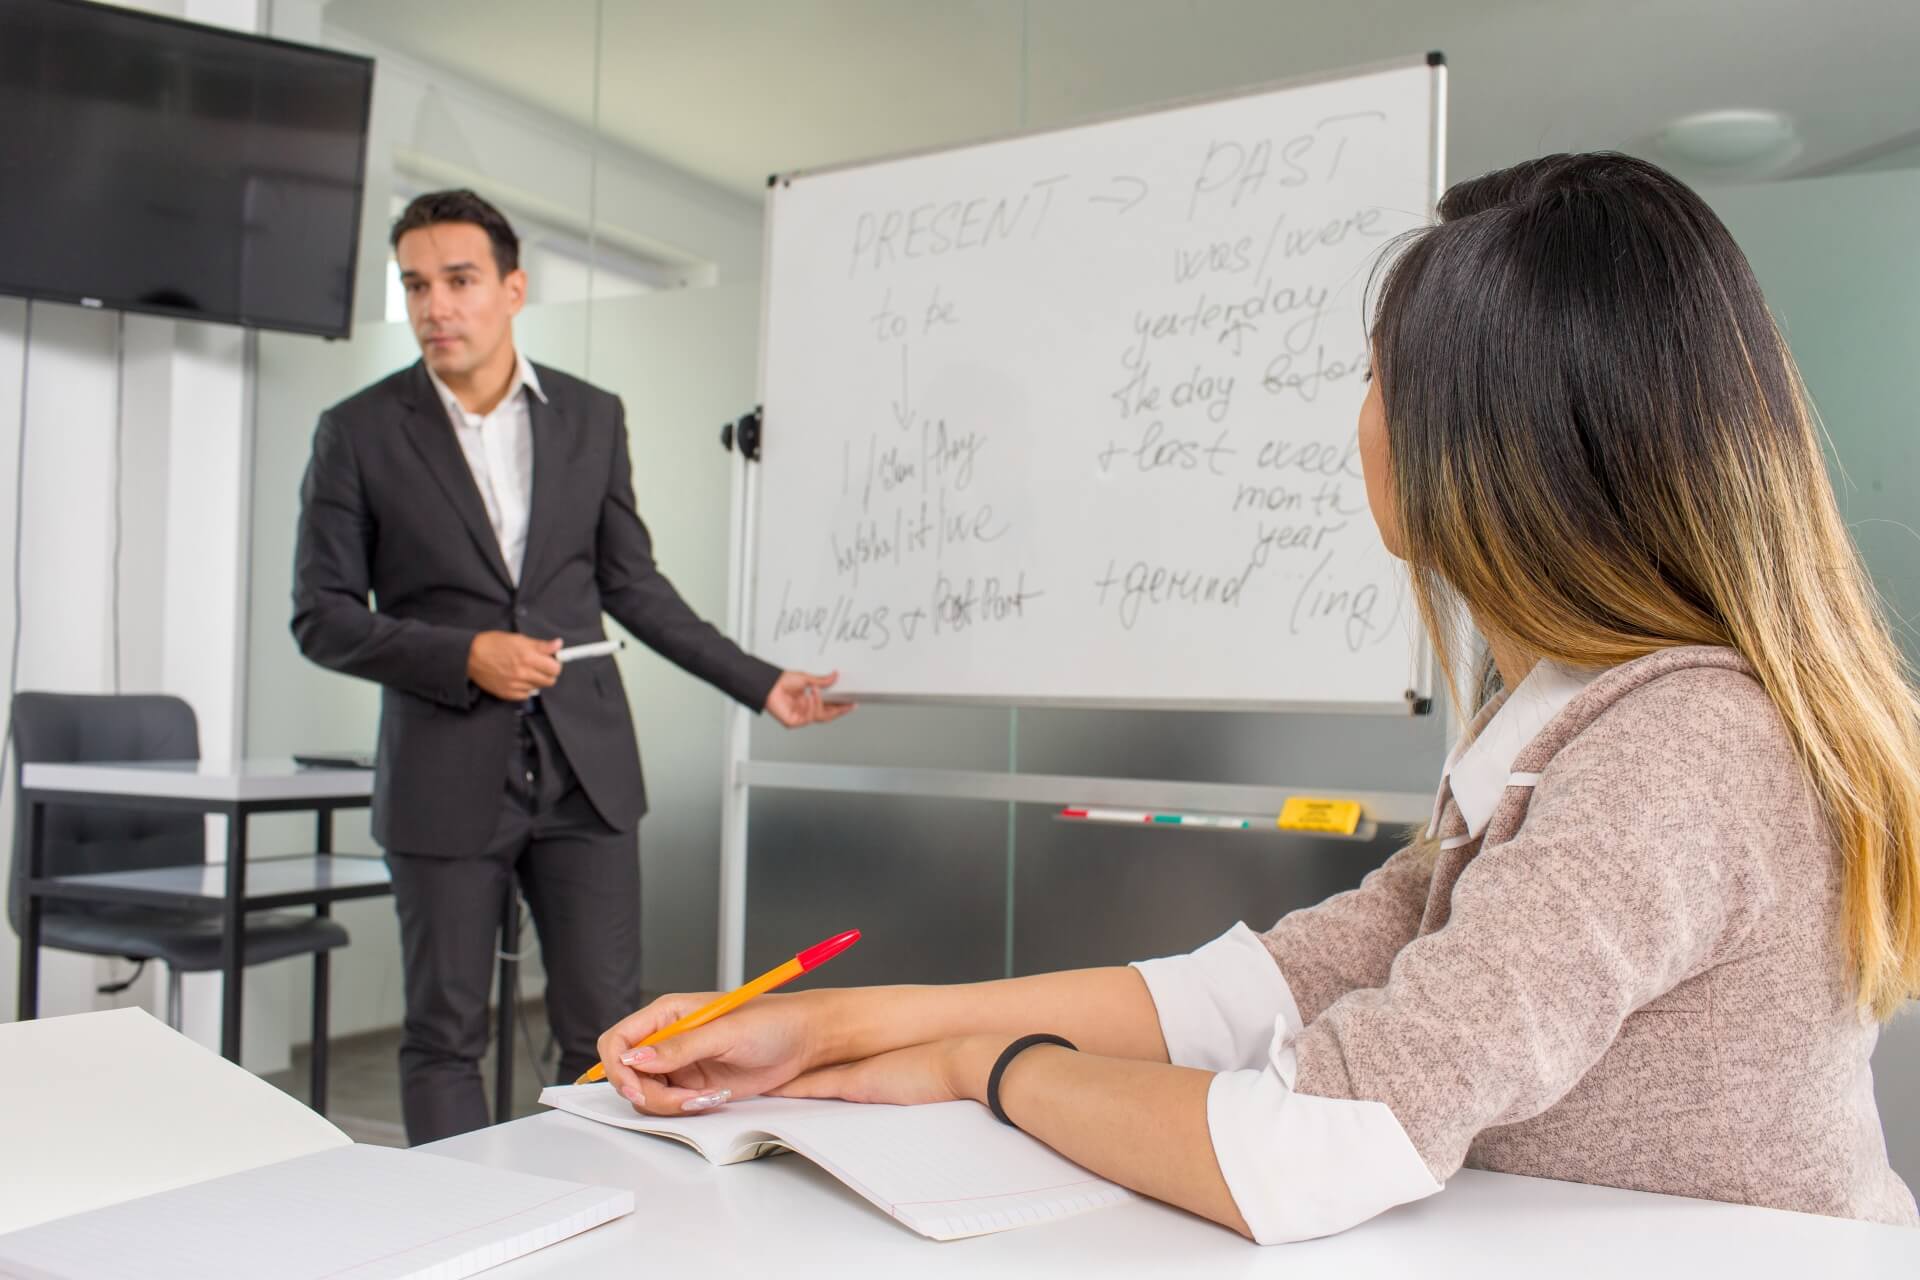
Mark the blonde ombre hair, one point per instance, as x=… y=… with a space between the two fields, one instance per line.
x=1600 y=447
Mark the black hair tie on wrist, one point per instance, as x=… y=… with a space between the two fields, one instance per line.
x=1007 y=1055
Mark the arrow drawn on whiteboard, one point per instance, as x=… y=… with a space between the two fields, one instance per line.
x=903 y=407
x=1125 y=203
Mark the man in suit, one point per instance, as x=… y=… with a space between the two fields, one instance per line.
x=486 y=505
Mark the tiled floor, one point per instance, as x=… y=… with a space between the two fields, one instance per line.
x=363 y=1079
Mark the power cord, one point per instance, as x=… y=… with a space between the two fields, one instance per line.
x=115 y=988
x=19 y=504
x=119 y=469
x=542 y=1061
x=541 y=1064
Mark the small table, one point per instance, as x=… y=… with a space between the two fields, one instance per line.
x=238 y=792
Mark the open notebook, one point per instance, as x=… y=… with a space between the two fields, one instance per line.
x=132 y=1151
x=947 y=1170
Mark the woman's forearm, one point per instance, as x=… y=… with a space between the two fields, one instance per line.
x=1140 y=1124
x=1105 y=1011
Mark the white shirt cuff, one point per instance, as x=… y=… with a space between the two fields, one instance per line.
x=1301 y=1166
x=1222 y=1007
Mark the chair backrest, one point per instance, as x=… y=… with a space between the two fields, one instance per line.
x=75 y=728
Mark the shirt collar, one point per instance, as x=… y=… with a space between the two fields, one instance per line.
x=1477 y=769
x=524 y=375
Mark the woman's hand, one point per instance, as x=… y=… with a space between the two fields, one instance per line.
x=939 y=1071
x=752 y=1050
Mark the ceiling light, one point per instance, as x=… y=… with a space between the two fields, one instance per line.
x=1731 y=139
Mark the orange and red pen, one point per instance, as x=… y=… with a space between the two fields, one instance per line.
x=812 y=958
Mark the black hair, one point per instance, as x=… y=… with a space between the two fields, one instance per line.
x=461 y=206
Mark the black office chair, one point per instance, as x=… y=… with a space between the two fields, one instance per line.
x=71 y=728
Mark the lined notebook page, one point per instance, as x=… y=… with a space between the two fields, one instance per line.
x=733 y=1133
x=352 y=1213
x=947 y=1170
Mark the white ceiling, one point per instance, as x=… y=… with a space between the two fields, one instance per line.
x=733 y=90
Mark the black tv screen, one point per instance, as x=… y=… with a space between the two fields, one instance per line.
x=148 y=164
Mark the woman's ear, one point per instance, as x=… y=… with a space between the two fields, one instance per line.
x=1376 y=466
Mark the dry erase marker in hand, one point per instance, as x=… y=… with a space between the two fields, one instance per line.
x=813 y=957
x=598 y=648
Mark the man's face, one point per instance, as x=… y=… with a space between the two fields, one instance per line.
x=460 y=306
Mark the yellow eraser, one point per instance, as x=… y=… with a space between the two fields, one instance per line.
x=1304 y=813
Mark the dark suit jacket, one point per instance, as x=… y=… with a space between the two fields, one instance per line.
x=389 y=508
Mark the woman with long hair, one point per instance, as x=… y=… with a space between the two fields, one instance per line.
x=1672 y=883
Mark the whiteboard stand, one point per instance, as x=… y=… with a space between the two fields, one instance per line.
x=739 y=731
x=1418 y=197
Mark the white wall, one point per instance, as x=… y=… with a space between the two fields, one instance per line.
x=64 y=547
x=161 y=455
x=432 y=128
x=1836 y=259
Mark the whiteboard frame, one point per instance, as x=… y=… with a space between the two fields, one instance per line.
x=739 y=768
x=1135 y=113
x=1422 y=670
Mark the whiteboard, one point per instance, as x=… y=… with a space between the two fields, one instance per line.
x=1069 y=417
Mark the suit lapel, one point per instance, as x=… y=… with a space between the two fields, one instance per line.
x=428 y=427
x=553 y=437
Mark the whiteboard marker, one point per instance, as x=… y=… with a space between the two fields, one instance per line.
x=598 y=648
x=1214 y=821
x=1217 y=821
x=1107 y=815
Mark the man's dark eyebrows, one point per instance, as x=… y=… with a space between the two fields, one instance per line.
x=450 y=269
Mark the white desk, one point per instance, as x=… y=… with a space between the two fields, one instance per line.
x=238 y=791
x=259 y=784
x=783 y=1216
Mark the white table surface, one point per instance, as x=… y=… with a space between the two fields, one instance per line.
x=783 y=1216
x=244 y=780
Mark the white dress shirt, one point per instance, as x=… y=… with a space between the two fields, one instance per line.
x=1301 y=1166
x=1479 y=770
x=499 y=450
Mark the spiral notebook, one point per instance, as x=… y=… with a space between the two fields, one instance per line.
x=947 y=1169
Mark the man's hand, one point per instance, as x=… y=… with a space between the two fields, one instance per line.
x=511 y=666
x=796 y=701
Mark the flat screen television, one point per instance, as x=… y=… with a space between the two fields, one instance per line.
x=149 y=164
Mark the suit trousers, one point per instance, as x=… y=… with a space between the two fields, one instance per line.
x=581 y=881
